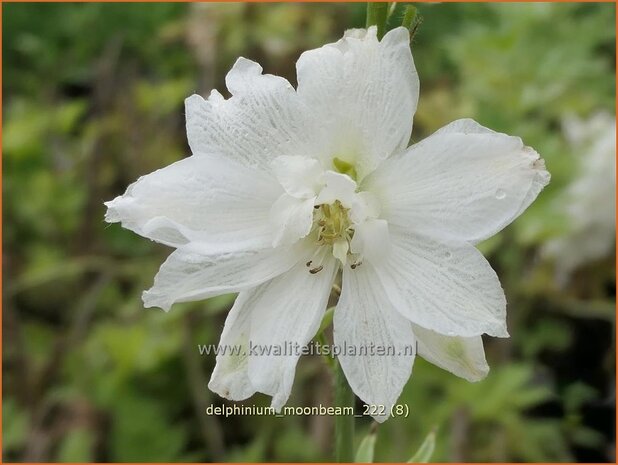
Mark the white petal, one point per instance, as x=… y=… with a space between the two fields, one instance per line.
x=340 y=250
x=207 y=199
x=337 y=187
x=365 y=205
x=358 y=33
x=365 y=318
x=263 y=119
x=448 y=288
x=464 y=182
x=286 y=313
x=464 y=126
x=299 y=176
x=462 y=356
x=291 y=219
x=230 y=378
x=364 y=93
x=371 y=240
x=189 y=274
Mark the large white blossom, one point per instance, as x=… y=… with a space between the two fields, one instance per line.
x=288 y=187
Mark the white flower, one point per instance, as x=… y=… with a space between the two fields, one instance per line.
x=589 y=201
x=286 y=187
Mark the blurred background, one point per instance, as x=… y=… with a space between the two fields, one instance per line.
x=93 y=98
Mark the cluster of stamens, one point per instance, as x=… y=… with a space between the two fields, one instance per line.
x=333 y=223
x=331 y=226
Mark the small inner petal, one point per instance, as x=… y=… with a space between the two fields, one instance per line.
x=340 y=250
x=337 y=187
x=326 y=207
x=299 y=176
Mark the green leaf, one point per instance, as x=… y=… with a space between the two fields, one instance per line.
x=142 y=431
x=364 y=454
x=424 y=453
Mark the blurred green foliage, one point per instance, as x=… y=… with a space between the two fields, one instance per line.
x=93 y=98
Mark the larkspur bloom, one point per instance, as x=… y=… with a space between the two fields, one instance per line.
x=589 y=201
x=286 y=187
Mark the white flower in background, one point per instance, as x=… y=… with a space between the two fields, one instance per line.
x=589 y=202
x=288 y=186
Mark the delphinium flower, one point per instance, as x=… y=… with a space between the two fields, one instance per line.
x=288 y=187
x=589 y=201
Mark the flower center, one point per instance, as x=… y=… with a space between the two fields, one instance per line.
x=333 y=231
x=344 y=222
x=332 y=223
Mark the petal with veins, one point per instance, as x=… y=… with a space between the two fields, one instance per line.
x=365 y=318
x=230 y=378
x=207 y=199
x=371 y=240
x=446 y=287
x=192 y=274
x=262 y=120
x=464 y=126
x=285 y=312
x=462 y=356
x=463 y=182
x=364 y=93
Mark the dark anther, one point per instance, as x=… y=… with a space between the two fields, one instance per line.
x=316 y=270
x=308 y=264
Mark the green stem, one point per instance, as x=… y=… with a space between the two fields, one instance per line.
x=377 y=14
x=344 y=424
x=409 y=17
